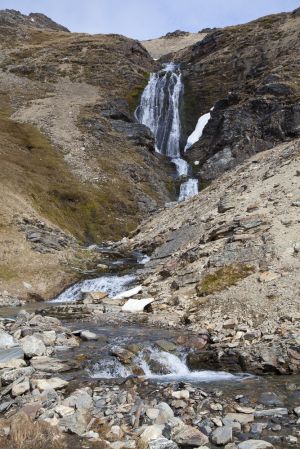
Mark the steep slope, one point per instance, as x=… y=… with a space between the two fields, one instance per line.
x=233 y=252
x=250 y=75
x=93 y=172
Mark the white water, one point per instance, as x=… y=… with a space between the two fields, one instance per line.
x=188 y=189
x=174 y=366
x=198 y=131
x=112 y=285
x=182 y=167
x=159 y=109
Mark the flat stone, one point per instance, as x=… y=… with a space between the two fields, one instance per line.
x=222 y=435
x=20 y=388
x=240 y=417
x=246 y=410
x=63 y=410
x=165 y=345
x=129 y=293
x=162 y=443
x=271 y=412
x=80 y=399
x=13 y=364
x=12 y=375
x=49 y=364
x=54 y=383
x=255 y=444
x=75 y=423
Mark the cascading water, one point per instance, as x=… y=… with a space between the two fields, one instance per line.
x=159 y=109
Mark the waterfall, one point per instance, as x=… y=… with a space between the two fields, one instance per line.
x=159 y=109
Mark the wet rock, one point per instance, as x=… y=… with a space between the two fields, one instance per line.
x=21 y=388
x=94 y=297
x=6 y=340
x=54 y=383
x=122 y=354
x=222 y=435
x=181 y=394
x=166 y=346
x=88 y=336
x=255 y=444
x=33 y=346
x=269 y=398
x=162 y=443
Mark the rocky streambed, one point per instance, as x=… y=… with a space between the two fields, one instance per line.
x=89 y=372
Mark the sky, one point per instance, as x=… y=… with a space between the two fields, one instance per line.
x=146 y=19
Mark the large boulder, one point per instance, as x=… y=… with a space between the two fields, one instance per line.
x=33 y=346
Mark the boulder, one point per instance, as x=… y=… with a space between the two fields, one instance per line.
x=88 y=336
x=51 y=365
x=76 y=423
x=136 y=305
x=11 y=354
x=271 y=412
x=189 y=436
x=54 y=383
x=6 y=340
x=166 y=345
x=222 y=435
x=33 y=346
x=240 y=417
x=10 y=376
x=152 y=433
x=20 y=388
x=80 y=399
x=165 y=413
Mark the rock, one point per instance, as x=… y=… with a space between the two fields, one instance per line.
x=129 y=293
x=13 y=364
x=165 y=413
x=49 y=338
x=230 y=324
x=152 y=433
x=94 y=297
x=240 y=417
x=136 y=305
x=297 y=411
x=255 y=444
x=246 y=410
x=271 y=412
x=123 y=355
x=80 y=399
x=165 y=345
x=76 y=423
x=225 y=204
x=63 y=410
x=20 y=388
x=290 y=439
x=269 y=398
x=152 y=413
x=54 y=383
x=50 y=365
x=189 y=436
x=6 y=340
x=88 y=336
x=222 y=435
x=10 y=376
x=162 y=443
x=11 y=354
x=181 y=394
x=267 y=276
x=32 y=346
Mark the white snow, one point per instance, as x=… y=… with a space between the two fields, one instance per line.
x=129 y=293
x=198 y=131
x=136 y=305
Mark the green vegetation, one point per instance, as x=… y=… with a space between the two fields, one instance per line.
x=223 y=278
x=133 y=97
x=7 y=273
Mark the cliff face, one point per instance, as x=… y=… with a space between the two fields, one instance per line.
x=250 y=75
x=72 y=158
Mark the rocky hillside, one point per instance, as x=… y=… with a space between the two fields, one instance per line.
x=250 y=75
x=73 y=162
x=232 y=252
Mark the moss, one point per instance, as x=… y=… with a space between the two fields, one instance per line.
x=133 y=97
x=7 y=273
x=223 y=278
